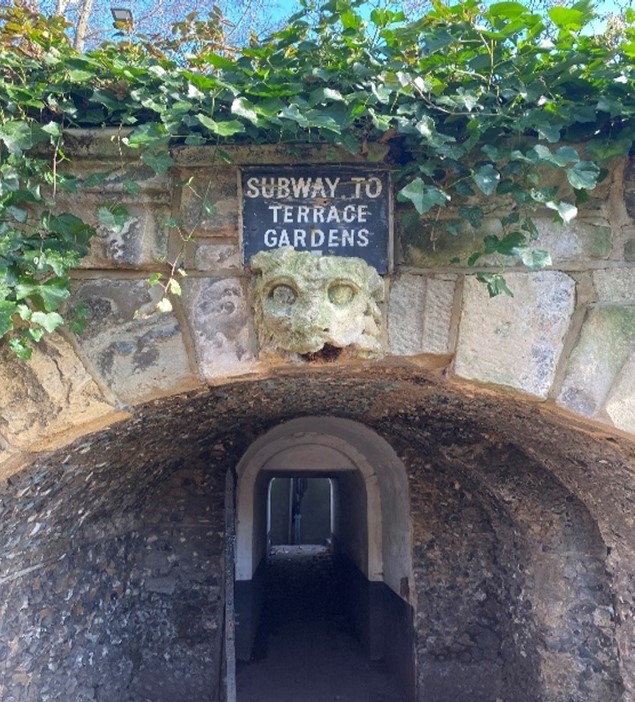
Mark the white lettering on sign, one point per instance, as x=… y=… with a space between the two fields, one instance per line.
x=282 y=187
x=316 y=238
x=324 y=210
x=304 y=214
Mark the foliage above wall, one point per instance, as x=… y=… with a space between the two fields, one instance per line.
x=474 y=103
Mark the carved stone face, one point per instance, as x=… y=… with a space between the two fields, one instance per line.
x=306 y=303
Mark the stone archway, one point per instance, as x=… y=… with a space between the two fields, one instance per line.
x=373 y=532
x=111 y=575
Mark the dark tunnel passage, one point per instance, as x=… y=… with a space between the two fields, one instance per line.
x=519 y=541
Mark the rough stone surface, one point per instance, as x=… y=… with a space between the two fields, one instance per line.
x=582 y=240
x=515 y=341
x=620 y=405
x=616 y=285
x=50 y=395
x=219 y=316
x=305 y=304
x=406 y=305
x=138 y=351
x=214 y=257
x=209 y=203
x=111 y=571
x=437 y=315
x=606 y=342
x=419 y=314
x=629 y=188
x=142 y=240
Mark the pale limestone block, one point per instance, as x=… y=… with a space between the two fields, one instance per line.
x=406 y=307
x=47 y=396
x=620 y=405
x=214 y=257
x=138 y=351
x=209 y=203
x=606 y=341
x=437 y=314
x=615 y=285
x=515 y=341
x=580 y=240
x=419 y=314
x=219 y=317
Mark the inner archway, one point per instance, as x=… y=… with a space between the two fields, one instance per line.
x=371 y=531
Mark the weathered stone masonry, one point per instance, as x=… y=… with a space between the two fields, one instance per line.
x=114 y=451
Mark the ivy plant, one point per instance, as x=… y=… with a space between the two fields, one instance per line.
x=474 y=103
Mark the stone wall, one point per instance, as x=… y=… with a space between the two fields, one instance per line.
x=524 y=551
x=567 y=336
x=114 y=451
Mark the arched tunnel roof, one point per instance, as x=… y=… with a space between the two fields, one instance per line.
x=518 y=461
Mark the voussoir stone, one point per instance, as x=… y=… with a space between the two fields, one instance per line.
x=620 y=405
x=48 y=396
x=515 y=341
x=139 y=352
x=219 y=316
x=606 y=341
x=420 y=313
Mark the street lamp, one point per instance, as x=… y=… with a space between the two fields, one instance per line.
x=122 y=16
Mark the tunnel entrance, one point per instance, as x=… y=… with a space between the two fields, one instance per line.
x=489 y=535
x=323 y=563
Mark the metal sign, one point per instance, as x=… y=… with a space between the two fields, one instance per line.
x=327 y=210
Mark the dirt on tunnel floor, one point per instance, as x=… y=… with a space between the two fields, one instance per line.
x=306 y=651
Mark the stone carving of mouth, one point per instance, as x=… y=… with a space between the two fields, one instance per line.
x=327 y=354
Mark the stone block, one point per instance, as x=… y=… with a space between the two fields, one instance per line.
x=606 y=341
x=620 y=405
x=142 y=241
x=581 y=240
x=210 y=256
x=406 y=305
x=221 y=323
x=629 y=188
x=419 y=314
x=615 y=285
x=437 y=314
x=515 y=341
x=48 y=396
x=138 y=351
x=209 y=204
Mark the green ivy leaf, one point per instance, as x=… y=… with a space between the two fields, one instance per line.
x=20 y=348
x=423 y=197
x=496 y=284
x=7 y=310
x=486 y=178
x=243 y=108
x=226 y=128
x=159 y=161
x=584 y=175
x=48 y=320
x=113 y=217
x=149 y=134
x=534 y=259
x=49 y=295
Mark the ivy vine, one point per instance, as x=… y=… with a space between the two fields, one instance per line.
x=474 y=104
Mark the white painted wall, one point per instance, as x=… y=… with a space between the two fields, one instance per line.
x=374 y=507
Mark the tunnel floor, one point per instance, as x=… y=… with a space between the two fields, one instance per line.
x=305 y=649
